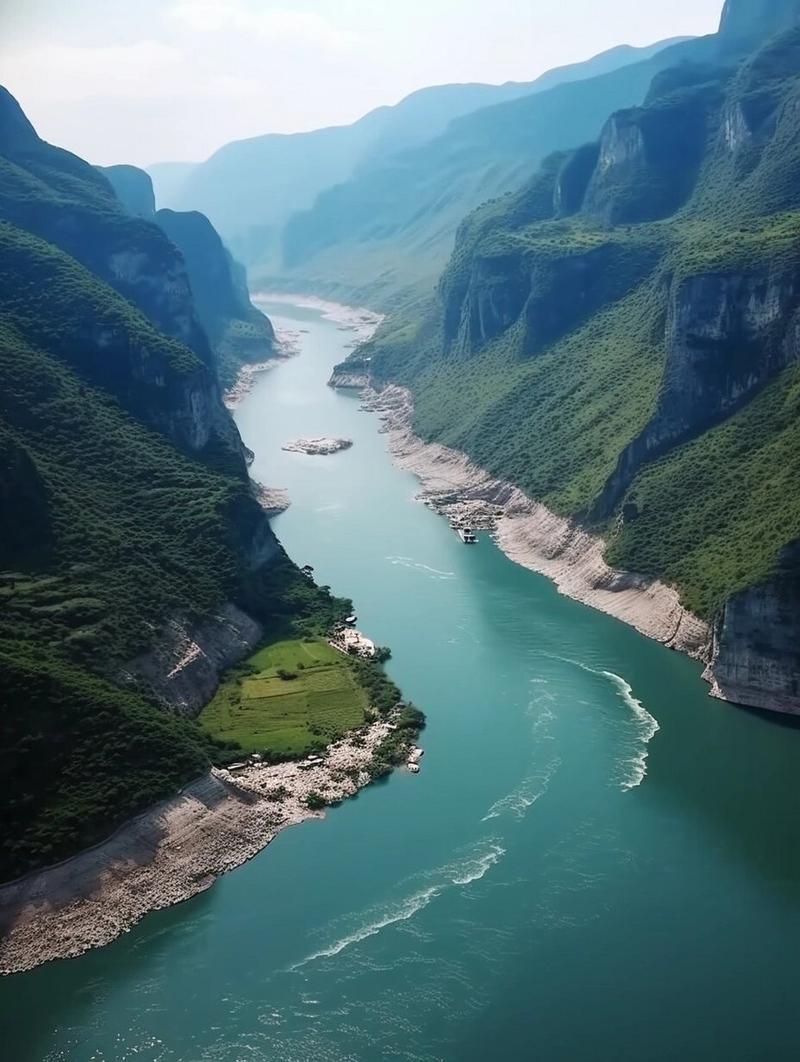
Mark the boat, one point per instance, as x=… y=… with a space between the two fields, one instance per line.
x=467 y=535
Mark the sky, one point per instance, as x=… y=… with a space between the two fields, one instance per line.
x=145 y=81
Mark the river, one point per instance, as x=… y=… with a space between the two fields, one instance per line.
x=596 y=862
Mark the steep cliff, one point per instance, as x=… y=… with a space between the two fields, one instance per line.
x=239 y=333
x=745 y=22
x=620 y=338
x=62 y=199
x=134 y=189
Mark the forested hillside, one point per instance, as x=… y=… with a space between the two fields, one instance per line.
x=124 y=504
x=620 y=338
x=383 y=236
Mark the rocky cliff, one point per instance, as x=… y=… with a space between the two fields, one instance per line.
x=726 y=335
x=746 y=22
x=239 y=333
x=755 y=654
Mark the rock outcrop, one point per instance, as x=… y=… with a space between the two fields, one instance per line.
x=182 y=671
x=727 y=334
x=745 y=23
x=755 y=654
x=238 y=332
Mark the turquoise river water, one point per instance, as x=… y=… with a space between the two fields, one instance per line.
x=533 y=893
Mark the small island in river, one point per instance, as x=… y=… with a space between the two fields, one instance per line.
x=317 y=447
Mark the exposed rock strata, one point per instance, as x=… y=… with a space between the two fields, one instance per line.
x=755 y=657
x=183 y=670
x=727 y=334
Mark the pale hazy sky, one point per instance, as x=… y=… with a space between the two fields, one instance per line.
x=153 y=80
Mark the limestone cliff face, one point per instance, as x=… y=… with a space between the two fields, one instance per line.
x=649 y=158
x=545 y=295
x=494 y=298
x=155 y=278
x=182 y=672
x=238 y=332
x=726 y=335
x=747 y=22
x=755 y=658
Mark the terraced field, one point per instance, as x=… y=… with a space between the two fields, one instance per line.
x=289 y=699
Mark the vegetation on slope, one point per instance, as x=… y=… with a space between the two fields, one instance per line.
x=124 y=502
x=387 y=232
x=556 y=341
x=291 y=698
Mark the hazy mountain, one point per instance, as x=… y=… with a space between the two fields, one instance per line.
x=249 y=188
x=237 y=331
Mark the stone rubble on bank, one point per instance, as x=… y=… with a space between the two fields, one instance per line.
x=533 y=536
x=171 y=852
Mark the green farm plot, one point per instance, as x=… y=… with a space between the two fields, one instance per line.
x=295 y=697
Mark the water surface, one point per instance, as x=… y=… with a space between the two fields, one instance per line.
x=533 y=893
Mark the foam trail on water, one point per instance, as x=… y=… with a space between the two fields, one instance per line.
x=464 y=871
x=409 y=562
x=526 y=794
x=647 y=724
x=402 y=911
x=477 y=868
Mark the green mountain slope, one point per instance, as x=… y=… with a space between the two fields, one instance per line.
x=239 y=333
x=620 y=338
x=124 y=506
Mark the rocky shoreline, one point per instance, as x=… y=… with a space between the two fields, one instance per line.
x=532 y=536
x=172 y=852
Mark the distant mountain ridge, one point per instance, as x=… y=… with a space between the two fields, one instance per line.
x=250 y=188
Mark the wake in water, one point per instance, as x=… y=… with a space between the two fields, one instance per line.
x=409 y=562
x=647 y=726
x=466 y=870
x=525 y=795
x=535 y=785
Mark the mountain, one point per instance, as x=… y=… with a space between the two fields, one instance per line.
x=250 y=188
x=741 y=22
x=621 y=339
x=389 y=230
x=135 y=560
x=134 y=189
x=168 y=179
x=238 y=332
